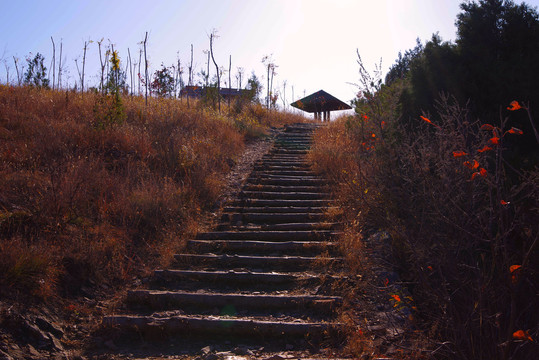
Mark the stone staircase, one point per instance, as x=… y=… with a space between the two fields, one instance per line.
x=267 y=271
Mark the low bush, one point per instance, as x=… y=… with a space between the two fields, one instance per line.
x=462 y=217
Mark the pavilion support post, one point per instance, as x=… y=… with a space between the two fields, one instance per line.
x=329 y=116
x=325 y=116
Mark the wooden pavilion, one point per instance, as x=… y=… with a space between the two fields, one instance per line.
x=321 y=104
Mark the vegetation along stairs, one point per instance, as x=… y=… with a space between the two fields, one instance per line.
x=268 y=269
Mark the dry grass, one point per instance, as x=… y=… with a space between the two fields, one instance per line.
x=454 y=238
x=95 y=191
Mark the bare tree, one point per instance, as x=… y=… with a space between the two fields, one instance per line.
x=103 y=63
x=229 y=80
x=86 y=43
x=130 y=64
x=283 y=95
x=190 y=83
x=19 y=74
x=146 y=80
x=191 y=68
x=271 y=83
x=239 y=75
x=139 y=62
x=78 y=72
x=53 y=63
x=178 y=76
x=60 y=66
x=270 y=65
x=212 y=35
x=207 y=74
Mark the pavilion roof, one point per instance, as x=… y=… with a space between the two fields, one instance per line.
x=320 y=101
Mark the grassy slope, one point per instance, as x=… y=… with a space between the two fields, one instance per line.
x=95 y=192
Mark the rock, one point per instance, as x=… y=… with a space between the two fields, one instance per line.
x=49 y=326
x=275 y=357
x=4 y=356
x=56 y=344
x=241 y=350
x=33 y=352
x=205 y=350
x=211 y=357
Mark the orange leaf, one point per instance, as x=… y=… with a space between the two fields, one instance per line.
x=373 y=135
x=522 y=335
x=503 y=202
x=487 y=127
x=515 y=272
x=383 y=124
x=427 y=120
x=429 y=267
x=513 y=268
x=486 y=148
x=495 y=140
x=365 y=117
x=483 y=172
x=514 y=106
x=396 y=297
x=515 y=131
x=459 y=153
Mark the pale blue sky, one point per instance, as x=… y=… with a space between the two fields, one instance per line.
x=312 y=41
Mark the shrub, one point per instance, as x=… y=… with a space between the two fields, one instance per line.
x=461 y=219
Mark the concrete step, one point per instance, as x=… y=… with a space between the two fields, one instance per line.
x=266 y=247
x=288 y=263
x=284 y=195
x=282 y=188
x=220 y=325
x=234 y=277
x=275 y=209
x=264 y=235
x=286 y=181
x=163 y=300
x=280 y=203
x=282 y=227
x=273 y=218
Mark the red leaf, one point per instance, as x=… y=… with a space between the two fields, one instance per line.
x=503 y=202
x=427 y=120
x=513 y=268
x=495 y=140
x=483 y=172
x=515 y=131
x=487 y=127
x=485 y=148
x=514 y=106
x=459 y=153
x=522 y=335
